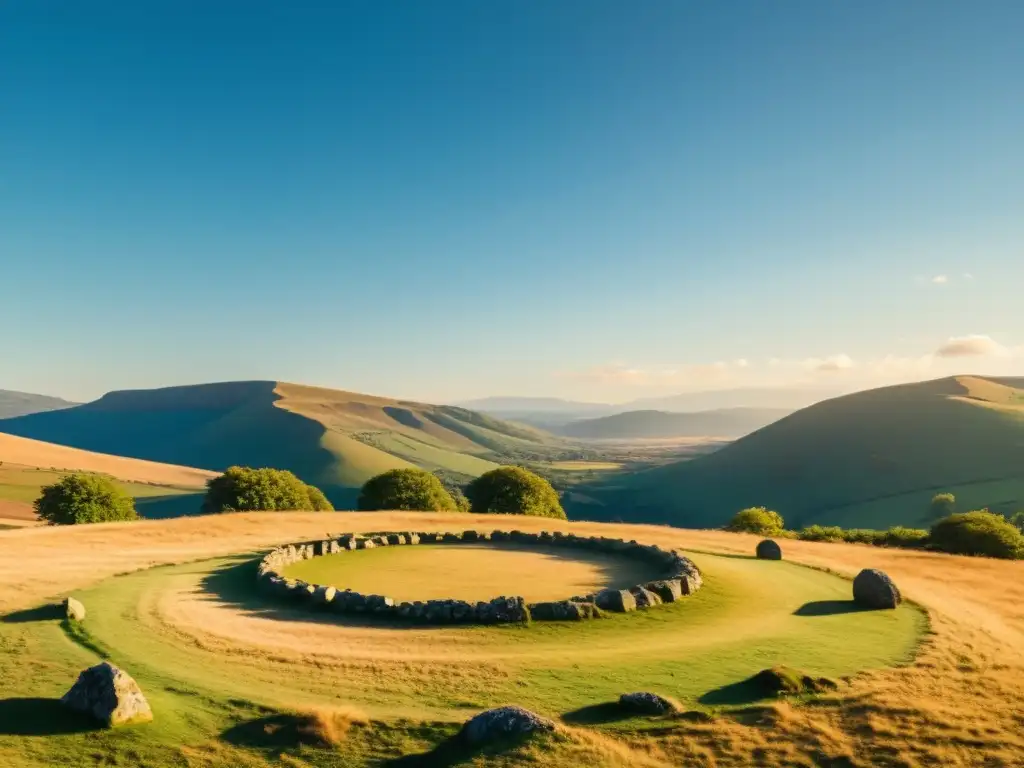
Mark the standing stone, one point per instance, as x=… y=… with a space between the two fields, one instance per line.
x=74 y=610
x=769 y=550
x=109 y=695
x=618 y=600
x=874 y=589
x=503 y=723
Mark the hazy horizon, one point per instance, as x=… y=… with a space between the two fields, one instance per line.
x=578 y=200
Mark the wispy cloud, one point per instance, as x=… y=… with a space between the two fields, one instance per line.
x=830 y=364
x=940 y=279
x=971 y=346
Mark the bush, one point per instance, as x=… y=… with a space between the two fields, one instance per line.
x=1017 y=520
x=942 y=505
x=757 y=520
x=82 y=498
x=243 y=489
x=977 y=533
x=514 y=490
x=908 y=538
x=409 y=489
x=818 y=532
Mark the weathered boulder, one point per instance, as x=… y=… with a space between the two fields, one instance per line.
x=73 y=609
x=564 y=610
x=874 y=589
x=396 y=538
x=644 y=597
x=109 y=695
x=769 y=549
x=618 y=600
x=647 y=703
x=503 y=723
x=669 y=590
x=324 y=595
x=508 y=610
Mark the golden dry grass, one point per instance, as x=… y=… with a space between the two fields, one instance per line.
x=960 y=704
x=35 y=453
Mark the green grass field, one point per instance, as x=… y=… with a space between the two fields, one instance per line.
x=176 y=630
x=24 y=484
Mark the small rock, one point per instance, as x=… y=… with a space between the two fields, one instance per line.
x=109 y=695
x=644 y=597
x=874 y=589
x=769 y=550
x=74 y=610
x=669 y=590
x=503 y=723
x=646 y=703
x=618 y=600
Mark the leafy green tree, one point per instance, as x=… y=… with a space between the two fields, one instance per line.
x=516 y=491
x=977 y=533
x=409 y=489
x=1017 y=519
x=942 y=505
x=243 y=489
x=758 y=520
x=84 y=498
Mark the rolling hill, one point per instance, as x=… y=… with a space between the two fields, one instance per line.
x=14 y=404
x=334 y=439
x=871 y=459
x=28 y=465
x=725 y=422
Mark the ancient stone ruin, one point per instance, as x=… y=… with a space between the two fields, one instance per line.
x=678 y=578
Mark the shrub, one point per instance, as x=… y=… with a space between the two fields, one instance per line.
x=410 y=489
x=1017 y=520
x=942 y=505
x=82 y=498
x=757 y=520
x=243 y=489
x=514 y=490
x=977 y=533
x=909 y=538
x=818 y=532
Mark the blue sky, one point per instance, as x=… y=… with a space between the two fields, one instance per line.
x=453 y=199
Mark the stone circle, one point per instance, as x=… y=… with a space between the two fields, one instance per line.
x=874 y=589
x=679 y=577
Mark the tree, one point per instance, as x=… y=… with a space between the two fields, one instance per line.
x=243 y=489
x=943 y=505
x=516 y=491
x=84 y=498
x=1017 y=519
x=977 y=533
x=758 y=520
x=409 y=489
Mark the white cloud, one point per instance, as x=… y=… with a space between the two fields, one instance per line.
x=971 y=346
x=940 y=279
x=833 y=363
x=968 y=276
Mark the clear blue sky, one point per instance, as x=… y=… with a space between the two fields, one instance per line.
x=451 y=199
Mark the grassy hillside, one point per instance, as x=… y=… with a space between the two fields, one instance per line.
x=26 y=466
x=870 y=459
x=334 y=439
x=14 y=404
x=724 y=422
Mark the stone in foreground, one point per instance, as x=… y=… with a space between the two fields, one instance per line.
x=874 y=589
x=109 y=695
x=618 y=600
x=769 y=550
x=74 y=610
x=503 y=723
x=646 y=703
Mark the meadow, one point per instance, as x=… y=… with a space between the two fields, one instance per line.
x=935 y=682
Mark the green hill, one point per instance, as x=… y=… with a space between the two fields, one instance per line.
x=870 y=459
x=334 y=439
x=724 y=422
x=13 y=404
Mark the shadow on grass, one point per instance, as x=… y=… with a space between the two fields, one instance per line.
x=42 y=613
x=278 y=731
x=454 y=751
x=597 y=714
x=41 y=717
x=828 y=608
x=735 y=694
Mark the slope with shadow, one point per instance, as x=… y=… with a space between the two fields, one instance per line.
x=334 y=439
x=871 y=459
x=634 y=425
x=13 y=404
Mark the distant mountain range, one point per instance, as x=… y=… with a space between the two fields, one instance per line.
x=724 y=422
x=22 y=403
x=334 y=439
x=870 y=459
